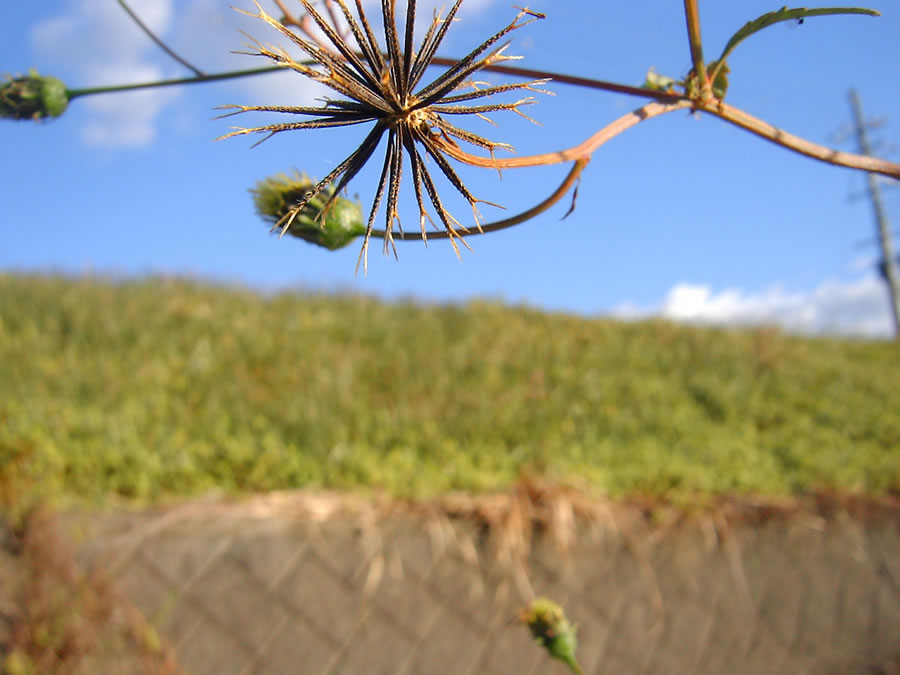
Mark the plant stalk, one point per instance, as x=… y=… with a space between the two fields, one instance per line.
x=75 y=93
x=692 y=18
x=574 y=80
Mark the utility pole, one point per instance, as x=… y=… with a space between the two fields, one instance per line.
x=888 y=262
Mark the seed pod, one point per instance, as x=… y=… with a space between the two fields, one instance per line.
x=33 y=97
x=274 y=196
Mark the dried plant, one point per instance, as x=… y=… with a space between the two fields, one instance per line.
x=383 y=86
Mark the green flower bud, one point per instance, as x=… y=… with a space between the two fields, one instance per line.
x=659 y=82
x=33 y=97
x=719 y=85
x=552 y=631
x=276 y=195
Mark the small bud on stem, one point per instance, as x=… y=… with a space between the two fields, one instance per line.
x=277 y=196
x=33 y=97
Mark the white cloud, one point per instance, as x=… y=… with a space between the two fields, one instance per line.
x=125 y=120
x=99 y=44
x=858 y=308
x=103 y=46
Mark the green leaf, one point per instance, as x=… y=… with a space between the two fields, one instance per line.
x=785 y=14
x=719 y=74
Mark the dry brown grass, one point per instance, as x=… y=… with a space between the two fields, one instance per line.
x=508 y=524
x=59 y=619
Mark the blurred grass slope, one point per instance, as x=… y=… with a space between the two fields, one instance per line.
x=154 y=388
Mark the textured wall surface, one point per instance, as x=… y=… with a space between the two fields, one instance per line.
x=265 y=587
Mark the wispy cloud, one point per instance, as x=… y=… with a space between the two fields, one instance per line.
x=858 y=308
x=100 y=45
x=103 y=46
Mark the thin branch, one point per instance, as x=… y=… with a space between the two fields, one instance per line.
x=333 y=16
x=524 y=73
x=692 y=19
x=152 y=36
x=582 y=151
x=305 y=24
x=786 y=140
x=74 y=93
x=580 y=154
x=289 y=19
x=558 y=194
x=674 y=102
x=719 y=109
x=574 y=80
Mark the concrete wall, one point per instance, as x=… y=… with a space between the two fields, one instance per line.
x=306 y=584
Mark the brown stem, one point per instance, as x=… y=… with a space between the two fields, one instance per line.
x=582 y=151
x=692 y=19
x=558 y=194
x=579 y=154
x=784 y=139
x=289 y=19
x=574 y=80
x=718 y=108
x=333 y=16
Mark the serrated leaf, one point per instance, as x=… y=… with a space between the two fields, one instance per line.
x=785 y=14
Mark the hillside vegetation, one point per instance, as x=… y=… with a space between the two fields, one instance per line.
x=153 y=389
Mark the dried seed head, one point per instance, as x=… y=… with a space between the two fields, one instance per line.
x=381 y=86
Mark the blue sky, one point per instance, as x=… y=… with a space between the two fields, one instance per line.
x=682 y=216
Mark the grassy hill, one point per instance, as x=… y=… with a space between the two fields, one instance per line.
x=156 y=388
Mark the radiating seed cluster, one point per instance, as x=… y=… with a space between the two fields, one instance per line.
x=383 y=86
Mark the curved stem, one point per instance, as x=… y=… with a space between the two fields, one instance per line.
x=579 y=152
x=718 y=108
x=162 y=45
x=563 y=188
x=786 y=140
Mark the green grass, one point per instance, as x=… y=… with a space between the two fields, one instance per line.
x=154 y=389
